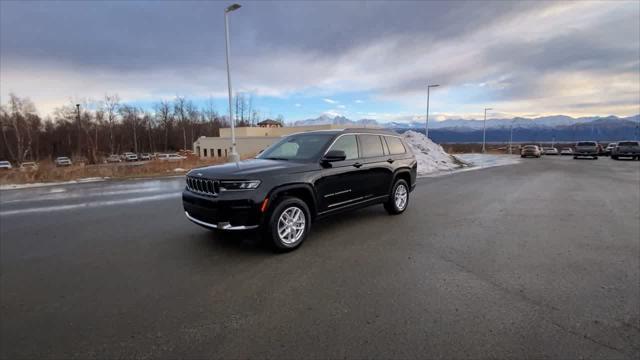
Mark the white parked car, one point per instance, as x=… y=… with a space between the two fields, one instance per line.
x=29 y=166
x=566 y=151
x=5 y=165
x=144 y=157
x=171 y=157
x=130 y=156
x=550 y=151
x=113 y=158
x=63 y=161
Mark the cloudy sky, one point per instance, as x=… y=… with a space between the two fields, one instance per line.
x=358 y=59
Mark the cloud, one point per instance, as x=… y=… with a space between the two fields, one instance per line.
x=342 y=107
x=549 y=57
x=298 y=105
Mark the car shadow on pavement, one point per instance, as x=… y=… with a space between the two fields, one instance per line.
x=232 y=242
x=250 y=242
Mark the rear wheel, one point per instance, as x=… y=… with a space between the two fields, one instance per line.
x=288 y=224
x=398 y=199
x=614 y=157
x=595 y=158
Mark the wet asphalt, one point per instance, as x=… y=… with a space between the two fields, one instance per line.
x=535 y=260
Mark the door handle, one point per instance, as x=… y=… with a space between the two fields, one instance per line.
x=390 y=160
x=357 y=165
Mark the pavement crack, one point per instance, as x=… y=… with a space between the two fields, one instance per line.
x=501 y=287
x=587 y=337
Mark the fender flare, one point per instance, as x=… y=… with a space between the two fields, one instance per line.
x=275 y=192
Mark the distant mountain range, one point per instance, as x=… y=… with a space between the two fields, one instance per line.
x=547 y=128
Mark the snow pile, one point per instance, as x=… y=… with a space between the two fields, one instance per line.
x=431 y=156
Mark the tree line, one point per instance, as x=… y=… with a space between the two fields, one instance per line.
x=95 y=129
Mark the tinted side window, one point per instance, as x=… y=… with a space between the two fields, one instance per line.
x=348 y=144
x=371 y=145
x=395 y=145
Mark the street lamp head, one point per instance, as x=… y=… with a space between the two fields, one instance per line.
x=487 y=109
x=434 y=85
x=232 y=8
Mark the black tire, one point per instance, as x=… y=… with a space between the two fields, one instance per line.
x=614 y=157
x=390 y=205
x=270 y=232
x=595 y=158
x=575 y=158
x=522 y=156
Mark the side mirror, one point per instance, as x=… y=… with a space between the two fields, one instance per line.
x=334 y=155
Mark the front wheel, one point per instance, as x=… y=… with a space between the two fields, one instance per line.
x=398 y=199
x=288 y=224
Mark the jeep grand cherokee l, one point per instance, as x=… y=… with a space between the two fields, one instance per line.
x=299 y=179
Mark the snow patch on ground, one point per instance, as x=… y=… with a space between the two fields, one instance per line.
x=179 y=170
x=431 y=157
x=35 y=185
x=481 y=161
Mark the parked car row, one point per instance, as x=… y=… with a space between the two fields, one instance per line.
x=591 y=149
x=63 y=161
x=129 y=156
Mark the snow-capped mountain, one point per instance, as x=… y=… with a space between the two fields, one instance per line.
x=462 y=124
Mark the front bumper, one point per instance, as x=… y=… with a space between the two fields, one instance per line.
x=585 y=153
x=219 y=226
x=221 y=214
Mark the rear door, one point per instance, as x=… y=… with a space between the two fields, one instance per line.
x=378 y=171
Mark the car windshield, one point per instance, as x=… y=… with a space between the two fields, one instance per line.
x=586 y=143
x=301 y=147
x=628 y=143
x=530 y=147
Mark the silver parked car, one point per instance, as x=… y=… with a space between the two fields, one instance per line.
x=530 y=150
x=629 y=149
x=586 y=149
x=550 y=151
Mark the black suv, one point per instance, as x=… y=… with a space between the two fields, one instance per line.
x=300 y=178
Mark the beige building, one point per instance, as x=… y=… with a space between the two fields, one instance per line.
x=249 y=140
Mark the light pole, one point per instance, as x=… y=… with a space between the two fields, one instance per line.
x=234 y=155
x=426 y=132
x=484 y=130
x=79 y=129
x=511 y=136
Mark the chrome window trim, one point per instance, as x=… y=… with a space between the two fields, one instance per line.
x=359 y=133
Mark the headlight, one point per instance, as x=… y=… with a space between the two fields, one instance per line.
x=239 y=185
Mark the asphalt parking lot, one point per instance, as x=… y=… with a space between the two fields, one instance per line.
x=535 y=260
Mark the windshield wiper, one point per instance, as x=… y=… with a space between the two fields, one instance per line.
x=275 y=158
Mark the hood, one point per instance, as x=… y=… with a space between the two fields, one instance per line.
x=252 y=169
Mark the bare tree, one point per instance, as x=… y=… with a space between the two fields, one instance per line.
x=111 y=106
x=164 y=116
x=180 y=112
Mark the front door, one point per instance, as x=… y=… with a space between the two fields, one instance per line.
x=341 y=181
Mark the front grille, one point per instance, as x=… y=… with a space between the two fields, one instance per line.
x=202 y=186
